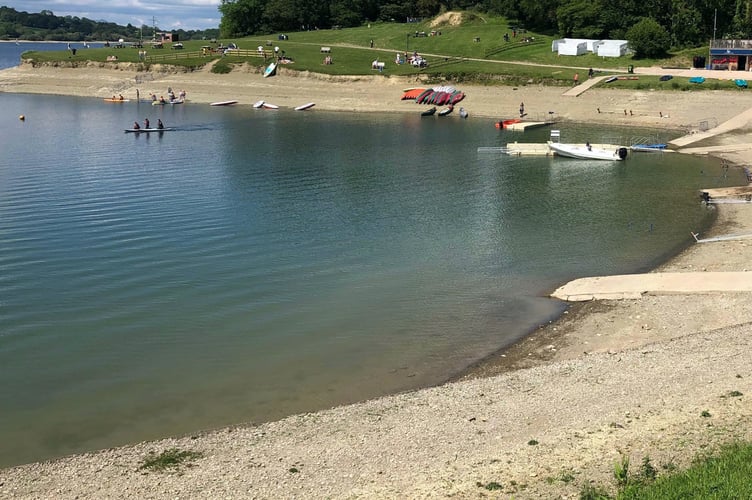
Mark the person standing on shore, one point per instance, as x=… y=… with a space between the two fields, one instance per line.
x=576 y=79
x=522 y=109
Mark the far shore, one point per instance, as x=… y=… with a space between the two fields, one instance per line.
x=677 y=111
x=650 y=377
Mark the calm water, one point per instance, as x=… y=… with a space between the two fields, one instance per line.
x=254 y=264
x=10 y=52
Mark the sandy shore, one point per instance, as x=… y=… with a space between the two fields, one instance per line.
x=646 y=377
x=672 y=110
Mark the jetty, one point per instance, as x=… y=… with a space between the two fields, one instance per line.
x=522 y=126
x=536 y=148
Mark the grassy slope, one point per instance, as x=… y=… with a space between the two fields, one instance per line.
x=454 y=55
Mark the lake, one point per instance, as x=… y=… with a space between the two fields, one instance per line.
x=252 y=264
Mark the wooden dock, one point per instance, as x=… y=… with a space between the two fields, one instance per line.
x=528 y=149
x=522 y=126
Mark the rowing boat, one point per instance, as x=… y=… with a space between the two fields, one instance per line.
x=147 y=130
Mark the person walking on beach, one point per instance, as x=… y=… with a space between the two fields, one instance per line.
x=522 y=109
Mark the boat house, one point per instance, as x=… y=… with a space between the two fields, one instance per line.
x=732 y=55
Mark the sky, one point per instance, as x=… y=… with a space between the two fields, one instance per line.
x=174 y=14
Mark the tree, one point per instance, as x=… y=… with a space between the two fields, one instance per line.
x=686 y=26
x=648 y=39
x=240 y=17
x=580 y=19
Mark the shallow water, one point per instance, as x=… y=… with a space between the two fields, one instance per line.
x=254 y=264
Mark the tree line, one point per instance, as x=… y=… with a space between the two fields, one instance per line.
x=687 y=23
x=46 y=26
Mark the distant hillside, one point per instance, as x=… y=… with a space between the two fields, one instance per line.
x=45 y=26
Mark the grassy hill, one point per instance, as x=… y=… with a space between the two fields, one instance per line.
x=459 y=47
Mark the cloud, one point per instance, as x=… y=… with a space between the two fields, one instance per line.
x=177 y=14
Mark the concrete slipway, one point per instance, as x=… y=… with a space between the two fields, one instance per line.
x=632 y=286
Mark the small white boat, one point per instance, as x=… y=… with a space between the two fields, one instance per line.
x=305 y=106
x=268 y=105
x=165 y=103
x=269 y=71
x=446 y=110
x=223 y=103
x=649 y=148
x=586 y=152
x=258 y=104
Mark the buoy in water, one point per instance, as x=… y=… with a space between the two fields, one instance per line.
x=22 y=117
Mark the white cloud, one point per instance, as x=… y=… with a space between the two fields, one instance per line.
x=185 y=14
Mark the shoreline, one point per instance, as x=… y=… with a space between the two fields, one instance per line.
x=676 y=111
x=649 y=366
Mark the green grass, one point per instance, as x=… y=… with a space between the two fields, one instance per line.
x=169 y=459
x=722 y=476
x=719 y=476
x=454 y=55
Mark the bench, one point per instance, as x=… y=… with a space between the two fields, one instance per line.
x=326 y=50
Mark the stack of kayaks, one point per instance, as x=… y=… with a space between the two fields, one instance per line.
x=440 y=96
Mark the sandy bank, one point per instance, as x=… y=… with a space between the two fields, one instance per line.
x=673 y=110
x=627 y=377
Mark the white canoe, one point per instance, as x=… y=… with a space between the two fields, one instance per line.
x=222 y=103
x=147 y=130
x=305 y=106
x=268 y=105
x=258 y=104
x=583 y=152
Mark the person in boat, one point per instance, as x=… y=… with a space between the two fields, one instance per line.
x=588 y=146
x=153 y=97
x=136 y=126
x=120 y=97
x=160 y=125
x=146 y=123
x=161 y=99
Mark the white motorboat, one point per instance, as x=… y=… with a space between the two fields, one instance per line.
x=586 y=152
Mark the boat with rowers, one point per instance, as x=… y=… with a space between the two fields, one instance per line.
x=147 y=130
